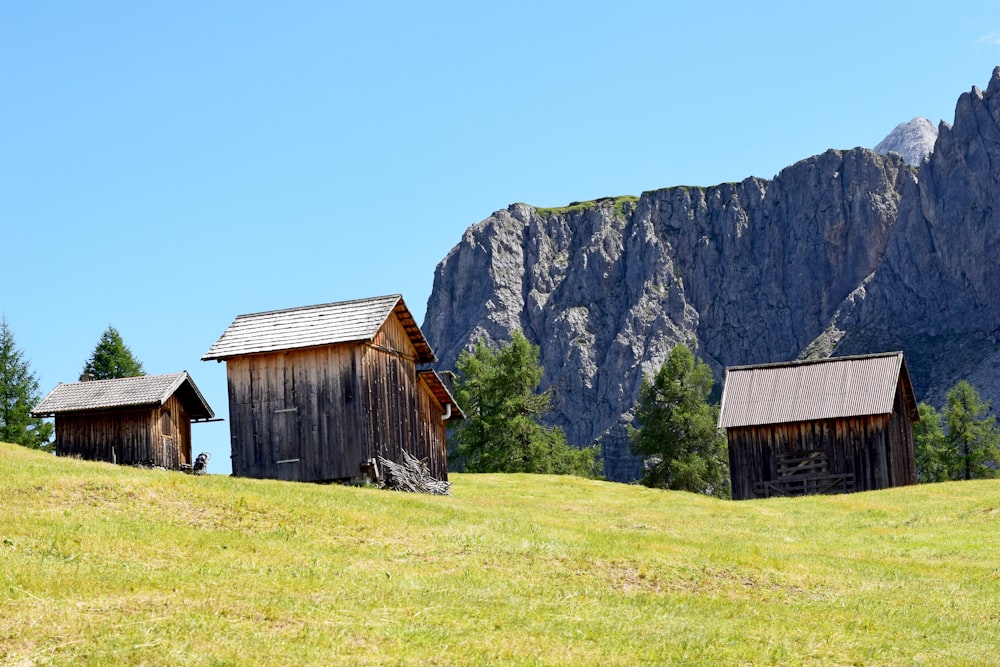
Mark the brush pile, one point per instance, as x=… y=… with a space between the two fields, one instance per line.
x=411 y=475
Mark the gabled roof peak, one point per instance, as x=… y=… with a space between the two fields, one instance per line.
x=129 y=392
x=321 y=306
x=824 y=360
x=315 y=326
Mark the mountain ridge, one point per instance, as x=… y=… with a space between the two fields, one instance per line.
x=828 y=257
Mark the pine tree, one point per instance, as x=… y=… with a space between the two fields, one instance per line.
x=962 y=442
x=677 y=430
x=502 y=431
x=18 y=395
x=930 y=446
x=112 y=358
x=973 y=440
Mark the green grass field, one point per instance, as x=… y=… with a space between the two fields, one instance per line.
x=111 y=565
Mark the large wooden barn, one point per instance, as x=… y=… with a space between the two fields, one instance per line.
x=829 y=426
x=317 y=393
x=135 y=420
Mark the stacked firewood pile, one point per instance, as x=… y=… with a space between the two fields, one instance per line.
x=411 y=475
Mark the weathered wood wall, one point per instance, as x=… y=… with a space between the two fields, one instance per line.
x=317 y=414
x=157 y=435
x=182 y=431
x=432 y=437
x=296 y=415
x=902 y=456
x=398 y=412
x=853 y=445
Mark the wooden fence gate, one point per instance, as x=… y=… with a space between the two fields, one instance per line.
x=803 y=474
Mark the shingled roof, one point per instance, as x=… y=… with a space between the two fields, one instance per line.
x=313 y=326
x=131 y=392
x=811 y=390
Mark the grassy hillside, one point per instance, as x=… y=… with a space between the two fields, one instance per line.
x=109 y=565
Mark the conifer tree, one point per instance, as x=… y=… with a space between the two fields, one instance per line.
x=18 y=395
x=961 y=442
x=677 y=431
x=930 y=446
x=973 y=438
x=502 y=431
x=112 y=358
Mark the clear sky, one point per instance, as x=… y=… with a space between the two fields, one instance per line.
x=166 y=166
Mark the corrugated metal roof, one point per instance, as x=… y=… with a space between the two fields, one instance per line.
x=123 y=393
x=312 y=326
x=809 y=390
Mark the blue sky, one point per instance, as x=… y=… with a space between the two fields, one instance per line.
x=165 y=167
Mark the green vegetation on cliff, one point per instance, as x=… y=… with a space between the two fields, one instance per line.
x=623 y=205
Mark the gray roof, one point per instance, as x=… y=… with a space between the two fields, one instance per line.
x=129 y=392
x=811 y=390
x=313 y=326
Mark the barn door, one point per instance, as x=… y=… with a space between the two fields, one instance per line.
x=166 y=457
x=284 y=437
x=167 y=453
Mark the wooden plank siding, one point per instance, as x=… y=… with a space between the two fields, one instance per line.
x=401 y=412
x=432 y=436
x=300 y=404
x=317 y=414
x=390 y=392
x=902 y=455
x=180 y=427
x=877 y=450
x=148 y=435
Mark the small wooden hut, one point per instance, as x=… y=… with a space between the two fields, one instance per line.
x=317 y=393
x=135 y=420
x=829 y=426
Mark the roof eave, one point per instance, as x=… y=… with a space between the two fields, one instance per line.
x=396 y=304
x=197 y=392
x=425 y=354
x=431 y=378
x=806 y=421
x=806 y=362
x=101 y=408
x=908 y=396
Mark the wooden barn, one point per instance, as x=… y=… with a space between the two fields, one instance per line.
x=135 y=420
x=829 y=426
x=317 y=393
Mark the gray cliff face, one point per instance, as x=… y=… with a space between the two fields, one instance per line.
x=913 y=141
x=745 y=272
x=844 y=252
x=936 y=293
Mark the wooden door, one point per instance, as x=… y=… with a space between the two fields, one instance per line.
x=283 y=434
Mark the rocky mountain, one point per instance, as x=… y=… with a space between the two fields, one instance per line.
x=844 y=252
x=936 y=292
x=914 y=141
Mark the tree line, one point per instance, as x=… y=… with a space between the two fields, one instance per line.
x=504 y=431
x=19 y=393
x=675 y=425
x=961 y=442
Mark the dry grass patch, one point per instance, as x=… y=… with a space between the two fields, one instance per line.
x=108 y=565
